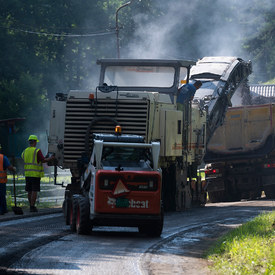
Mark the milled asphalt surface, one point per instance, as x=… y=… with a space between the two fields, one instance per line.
x=26 y=213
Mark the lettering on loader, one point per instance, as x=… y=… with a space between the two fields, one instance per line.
x=132 y=203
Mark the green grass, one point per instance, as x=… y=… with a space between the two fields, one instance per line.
x=270 y=82
x=249 y=249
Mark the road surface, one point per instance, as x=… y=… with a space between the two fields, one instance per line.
x=45 y=245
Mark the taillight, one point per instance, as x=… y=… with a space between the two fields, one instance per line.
x=106 y=184
x=211 y=171
x=150 y=185
x=269 y=165
x=135 y=183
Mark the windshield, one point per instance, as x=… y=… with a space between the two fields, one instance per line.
x=139 y=76
x=128 y=158
x=125 y=154
x=207 y=89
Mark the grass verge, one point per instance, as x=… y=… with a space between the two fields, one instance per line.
x=248 y=249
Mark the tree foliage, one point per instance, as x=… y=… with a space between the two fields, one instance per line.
x=261 y=45
x=50 y=46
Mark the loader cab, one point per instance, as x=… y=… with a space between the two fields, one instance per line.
x=121 y=153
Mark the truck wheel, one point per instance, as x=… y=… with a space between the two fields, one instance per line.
x=255 y=194
x=245 y=195
x=269 y=192
x=216 y=196
x=83 y=225
x=73 y=210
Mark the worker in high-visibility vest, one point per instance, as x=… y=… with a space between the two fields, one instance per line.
x=33 y=159
x=4 y=165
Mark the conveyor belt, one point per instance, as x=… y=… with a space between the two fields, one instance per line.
x=221 y=76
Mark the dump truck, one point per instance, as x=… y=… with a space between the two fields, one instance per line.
x=240 y=157
x=140 y=96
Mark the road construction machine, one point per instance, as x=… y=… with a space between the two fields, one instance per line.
x=222 y=77
x=140 y=96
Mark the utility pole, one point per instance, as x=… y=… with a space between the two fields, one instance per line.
x=117 y=27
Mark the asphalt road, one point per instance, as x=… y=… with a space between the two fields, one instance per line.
x=45 y=245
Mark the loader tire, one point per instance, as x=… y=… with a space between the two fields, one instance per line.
x=154 y=229
x=67 y=203
x=83 y=224
x=73 y=211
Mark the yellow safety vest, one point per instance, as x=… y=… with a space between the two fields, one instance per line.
x=3 y=173
x=31 y=167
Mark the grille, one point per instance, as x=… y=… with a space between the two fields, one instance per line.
x=130 y=114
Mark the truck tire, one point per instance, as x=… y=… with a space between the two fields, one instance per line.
x=73 y=210
x=255 y=194
x=269 y=192
x=83 y=225
x=216 y=196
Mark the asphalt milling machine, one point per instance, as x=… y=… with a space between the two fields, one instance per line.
x=139 y=96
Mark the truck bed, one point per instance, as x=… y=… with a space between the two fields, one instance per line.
x=247 y=132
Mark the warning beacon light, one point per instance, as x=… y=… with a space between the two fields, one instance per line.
x=118 y=130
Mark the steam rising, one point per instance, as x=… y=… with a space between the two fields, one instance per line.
x=193 y=29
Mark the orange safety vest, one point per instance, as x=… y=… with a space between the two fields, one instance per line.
x=3 y=173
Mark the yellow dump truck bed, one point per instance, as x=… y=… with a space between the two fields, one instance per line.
x=246 y=131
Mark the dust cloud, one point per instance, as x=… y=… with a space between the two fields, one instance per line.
x=193 y=29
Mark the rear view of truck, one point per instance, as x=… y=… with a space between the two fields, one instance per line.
x=241 y=157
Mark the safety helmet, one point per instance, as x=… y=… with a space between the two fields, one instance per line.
x=33 y=137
